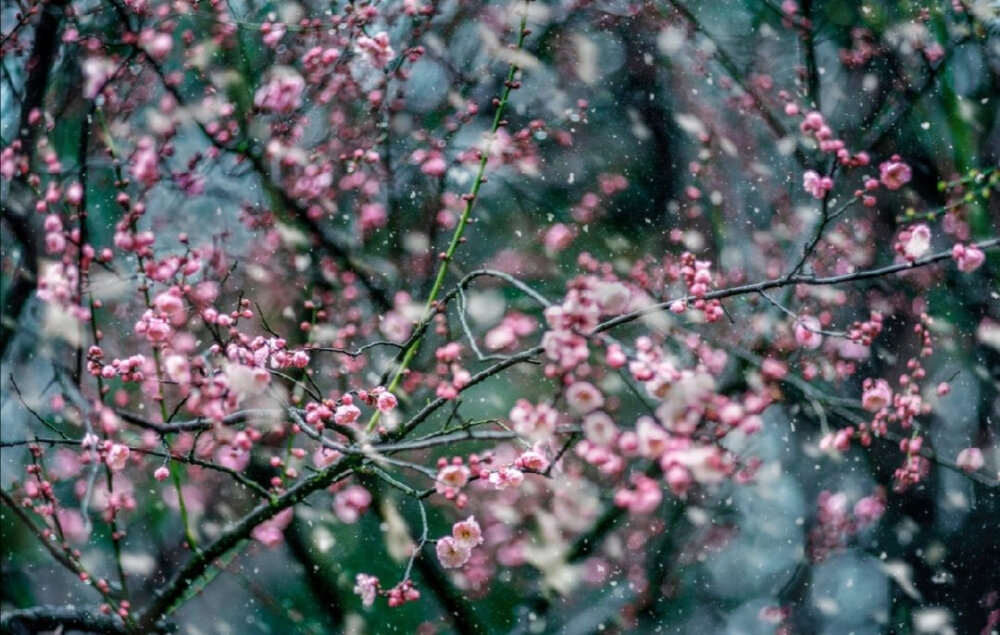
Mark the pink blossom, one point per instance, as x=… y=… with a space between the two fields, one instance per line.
x=970 y=459
x=376 y=49
x=170 y=304
x=532 y=460
x=806 y=332
x=538 y=423
x=366 y=586
x=869 y=509
x=161 y=473
x=815 y=184
x=346 y=414
x=584 y=397
x=467 y=533
x=282 y=94
x=117 y=457
x=233 y=458
x=350 y=503
x=934 y=52
x=96 y=72
x=271 y=532
x=373 y=216
x=915 y=241
x=876 y=396
x=653 y=438
x=453 y=477
x=74 y=528
x=325 y=456
x=611 y=297
x=159 y=45
x=451 y=554
x=679 y=479
x=645 y=498
x=506 y=477
x=386 y=402
x=434 y=165
x=894 y=174
x=74 y=193
x=968 y=258
x=558 y=238
x=144 y=165
x=599 y=429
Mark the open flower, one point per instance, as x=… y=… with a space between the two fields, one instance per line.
x=915 y=242
x=876 y=396
x=807 y=333
x=117 y=457
x=467 y=533
x=894 y=174
x=451 y=554
x=968 y=258
x=366 y=586
x=970 y=459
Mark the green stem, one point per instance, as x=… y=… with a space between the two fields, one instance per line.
x=456 y=238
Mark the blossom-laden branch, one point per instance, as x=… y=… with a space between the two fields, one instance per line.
x=280 y=143
x=777 y=283
x=166 y=599
x=168 y=596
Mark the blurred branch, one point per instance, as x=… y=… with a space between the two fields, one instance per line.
x=18 y=208
x=734 y=72
x=809 y=55
x=166 y=599
x=60 y=618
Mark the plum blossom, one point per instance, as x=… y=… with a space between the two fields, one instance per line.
x=970 y=459
x=645 y=498
x=350 y=503
x=451 y=554
x=346 y=414
x=807 y=332
x=117 y=457
x=557 y=238
x=96 y=72
x=914 y=242
x=584 y=397
x=282 y=94
x=467 y=533
x=452 y=477
x=532 y=460
x=386 y=402
x=599 y=429
x=506 y=477
x=968 y=258
x=876 y=396
x=366 y=586
x=815 y=184
x=534 y=422
x=894 y=173
x=270 y=533
x=376 y=49
x=144 y=165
